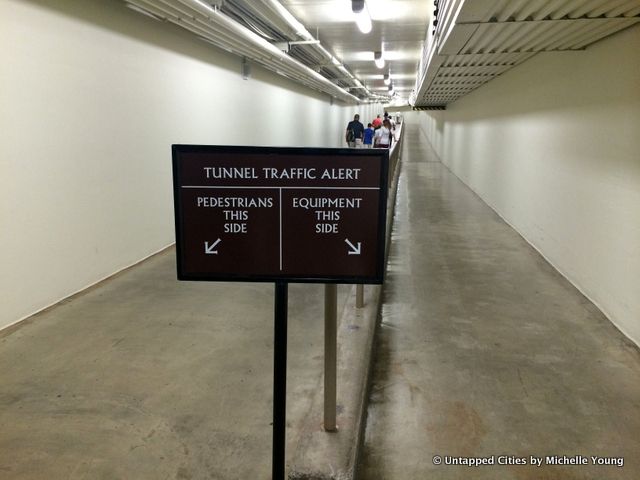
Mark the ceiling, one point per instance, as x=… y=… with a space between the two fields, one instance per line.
x=430 y=61
x=314 y=42
x=399 y=30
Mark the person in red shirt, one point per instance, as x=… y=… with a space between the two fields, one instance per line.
x=377 y=122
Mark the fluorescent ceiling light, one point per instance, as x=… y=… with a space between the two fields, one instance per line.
x=378 y=59
x=371 y=76
x=406 y=54
x=364 y=22
x=363 y=19
x=403 y=76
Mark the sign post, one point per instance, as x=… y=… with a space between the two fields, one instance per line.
x=280 y=215
x=279 y=381
x=330 y=356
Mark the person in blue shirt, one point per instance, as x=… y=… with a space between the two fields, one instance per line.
x=368 y=136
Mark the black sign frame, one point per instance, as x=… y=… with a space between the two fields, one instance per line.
x=180 y=151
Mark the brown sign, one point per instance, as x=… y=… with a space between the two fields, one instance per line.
x=267 y=214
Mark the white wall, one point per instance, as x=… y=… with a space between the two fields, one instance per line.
x=553 y=146
x=92 y=95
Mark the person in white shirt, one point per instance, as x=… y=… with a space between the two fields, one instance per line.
x=383 y=136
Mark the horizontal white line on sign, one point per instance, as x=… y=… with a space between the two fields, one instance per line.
x=285 y=188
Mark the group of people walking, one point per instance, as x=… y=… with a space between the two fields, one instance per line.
x=378 y=134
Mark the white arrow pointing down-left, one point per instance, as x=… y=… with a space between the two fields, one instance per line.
x=355 y=250
x=209 y=249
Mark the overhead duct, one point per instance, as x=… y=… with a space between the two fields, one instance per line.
x=476 y=40
x=210 y=24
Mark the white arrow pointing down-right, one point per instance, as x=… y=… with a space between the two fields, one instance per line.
x=355 y=250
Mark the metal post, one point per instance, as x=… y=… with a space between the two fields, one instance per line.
x=330 y=355
x=359 y=296
x=279 y=381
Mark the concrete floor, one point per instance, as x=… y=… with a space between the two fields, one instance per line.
x=485 y=350
x=148 y=378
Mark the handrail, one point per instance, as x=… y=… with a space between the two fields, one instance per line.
x=394 y=159
x=394 y=153
x=330 y=295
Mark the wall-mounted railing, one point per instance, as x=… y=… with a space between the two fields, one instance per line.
x=331 y=296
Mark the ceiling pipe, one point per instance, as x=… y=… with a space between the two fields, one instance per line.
x=223 y=39
x=279 y=17
x=284 y=56
x=275 y=7
x=209 y=23
x=205 y=31
x=278 y=8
